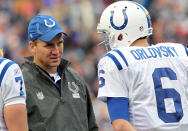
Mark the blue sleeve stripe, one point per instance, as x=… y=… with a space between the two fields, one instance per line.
x=186 y=50
x=118 y=108
x=115 y=61
x=4 y=70
x=122 y=56
x=2 y=59
x=101 y=71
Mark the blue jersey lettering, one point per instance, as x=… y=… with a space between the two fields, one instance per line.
x=154 y=52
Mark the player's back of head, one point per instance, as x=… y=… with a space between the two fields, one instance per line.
x=124 y=22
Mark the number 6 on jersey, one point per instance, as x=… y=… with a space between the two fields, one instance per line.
x=162 y=94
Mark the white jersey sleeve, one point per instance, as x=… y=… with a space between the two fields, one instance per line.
x=111 y=81
x=12 y=83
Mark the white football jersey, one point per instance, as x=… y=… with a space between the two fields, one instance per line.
x=154 y=79
x=12 y=88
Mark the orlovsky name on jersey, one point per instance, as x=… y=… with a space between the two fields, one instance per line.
x=154 y=52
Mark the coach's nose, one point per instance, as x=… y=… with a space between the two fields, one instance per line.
x=55 y=49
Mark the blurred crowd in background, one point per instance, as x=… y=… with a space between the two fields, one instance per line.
x=79 y=19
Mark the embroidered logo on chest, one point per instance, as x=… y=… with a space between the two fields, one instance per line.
x=40 y=95
x=74 y=89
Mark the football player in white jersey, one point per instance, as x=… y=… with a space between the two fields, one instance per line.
x=13 y=114
x=145 y=87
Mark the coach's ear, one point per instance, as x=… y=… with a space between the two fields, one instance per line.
x=32 y=46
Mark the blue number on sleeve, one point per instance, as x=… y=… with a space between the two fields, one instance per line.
x=101 y=79
x=161 y=94
x=21 y=83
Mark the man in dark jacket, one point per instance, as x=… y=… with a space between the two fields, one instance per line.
x=57 y=97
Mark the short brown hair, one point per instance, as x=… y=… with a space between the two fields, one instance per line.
x=1 y=53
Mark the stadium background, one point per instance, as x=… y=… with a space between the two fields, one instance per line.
x=79 y=19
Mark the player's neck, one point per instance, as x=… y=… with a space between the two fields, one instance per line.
x=140 y=42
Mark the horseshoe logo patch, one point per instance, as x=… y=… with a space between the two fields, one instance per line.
x=125 y=20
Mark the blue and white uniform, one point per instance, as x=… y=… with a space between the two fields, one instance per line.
x=154 y=79
x=12 y=88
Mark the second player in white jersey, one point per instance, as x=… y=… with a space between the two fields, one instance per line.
x=145 y=87
x=12 y=97
x=153 y=79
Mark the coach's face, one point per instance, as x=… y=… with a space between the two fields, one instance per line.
x=48 y=55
